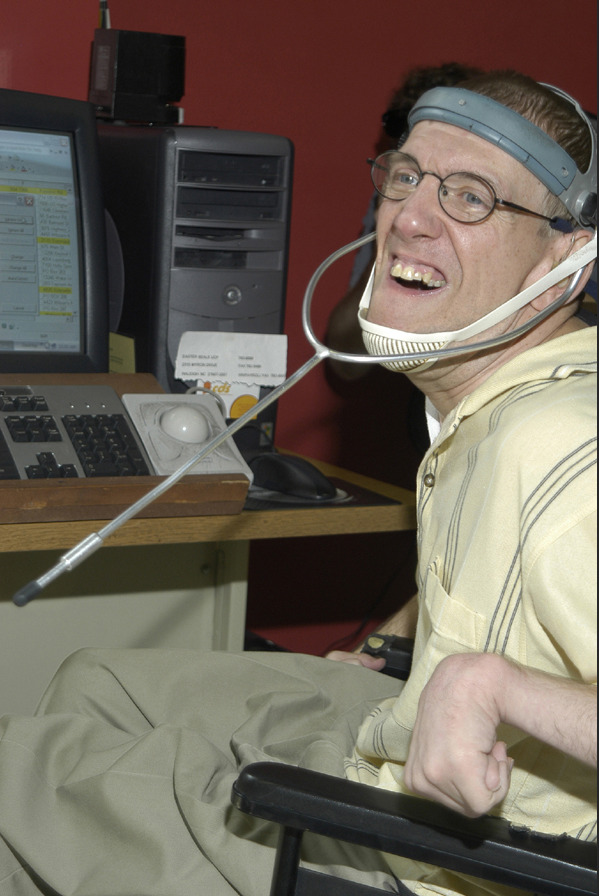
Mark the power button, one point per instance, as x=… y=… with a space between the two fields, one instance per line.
x=232 y=295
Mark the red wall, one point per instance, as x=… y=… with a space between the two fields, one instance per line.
x=319 y=72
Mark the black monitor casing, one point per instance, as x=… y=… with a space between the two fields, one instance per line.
x=19 y=109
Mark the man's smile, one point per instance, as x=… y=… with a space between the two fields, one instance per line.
x=415 y=275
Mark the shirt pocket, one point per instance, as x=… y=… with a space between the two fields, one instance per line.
x=448 y=620
x=446 y=626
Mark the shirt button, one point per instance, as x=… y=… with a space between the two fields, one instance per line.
x=429 y=480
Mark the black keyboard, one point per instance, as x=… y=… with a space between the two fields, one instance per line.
x=64 y=432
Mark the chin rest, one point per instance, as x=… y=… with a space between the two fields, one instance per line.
x=487 y=848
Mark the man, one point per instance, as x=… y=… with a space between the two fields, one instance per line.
x=507 y=502
x=121 y=784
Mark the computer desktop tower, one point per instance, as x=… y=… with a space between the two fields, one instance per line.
x=203 y=221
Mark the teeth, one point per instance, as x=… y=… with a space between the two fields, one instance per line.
x=409 y=273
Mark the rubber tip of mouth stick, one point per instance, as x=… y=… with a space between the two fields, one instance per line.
x=26 y=594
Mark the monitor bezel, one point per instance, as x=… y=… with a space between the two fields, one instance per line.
x=40 y=112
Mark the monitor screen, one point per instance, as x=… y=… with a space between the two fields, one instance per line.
x=53 y=271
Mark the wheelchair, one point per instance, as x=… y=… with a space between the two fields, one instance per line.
x=487 y=848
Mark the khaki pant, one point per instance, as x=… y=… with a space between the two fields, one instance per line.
x=120 y=785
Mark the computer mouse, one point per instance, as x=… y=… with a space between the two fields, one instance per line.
x=185 y=423
x=292 y=476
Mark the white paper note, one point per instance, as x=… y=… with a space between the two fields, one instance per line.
x=253 y=359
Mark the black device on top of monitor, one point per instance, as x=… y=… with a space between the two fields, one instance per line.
x=53 y=269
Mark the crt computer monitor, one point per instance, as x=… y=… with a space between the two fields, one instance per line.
x=53 y=269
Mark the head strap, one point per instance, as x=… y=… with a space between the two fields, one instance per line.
x=521 y=139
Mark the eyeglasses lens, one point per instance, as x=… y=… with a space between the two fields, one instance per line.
x=463 y=196
x=394 y=175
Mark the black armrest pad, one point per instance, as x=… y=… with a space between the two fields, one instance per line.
x=487 y=848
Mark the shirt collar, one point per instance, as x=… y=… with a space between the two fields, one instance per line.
x=569 y=355
x=433 y=419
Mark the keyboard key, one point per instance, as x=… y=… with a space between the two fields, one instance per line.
x=140 y=466
x=69 y=471
x=18 y=434
x=47 y=459
x=8 y=471
x=71 y=424
x=126 y=468
x=79 y=443
x=36 y=472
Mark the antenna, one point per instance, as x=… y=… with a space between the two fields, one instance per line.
x=104 y=15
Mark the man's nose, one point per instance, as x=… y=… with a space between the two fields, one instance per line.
x=420 y=214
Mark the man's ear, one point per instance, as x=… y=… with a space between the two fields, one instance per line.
x=574 y=242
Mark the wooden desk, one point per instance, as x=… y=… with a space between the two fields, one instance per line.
x=250 y=524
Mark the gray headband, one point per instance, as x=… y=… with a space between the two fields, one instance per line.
x=522 y=139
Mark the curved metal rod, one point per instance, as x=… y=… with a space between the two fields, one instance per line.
x=89 y=545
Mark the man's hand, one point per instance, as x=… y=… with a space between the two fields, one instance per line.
x=356 y=659
x=454 y=755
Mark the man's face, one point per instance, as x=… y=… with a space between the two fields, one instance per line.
x=480 y=265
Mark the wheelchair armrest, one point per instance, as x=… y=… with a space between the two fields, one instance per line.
x=488 y=848
x=397 y=652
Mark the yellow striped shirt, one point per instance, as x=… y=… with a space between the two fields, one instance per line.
x=507 y=564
